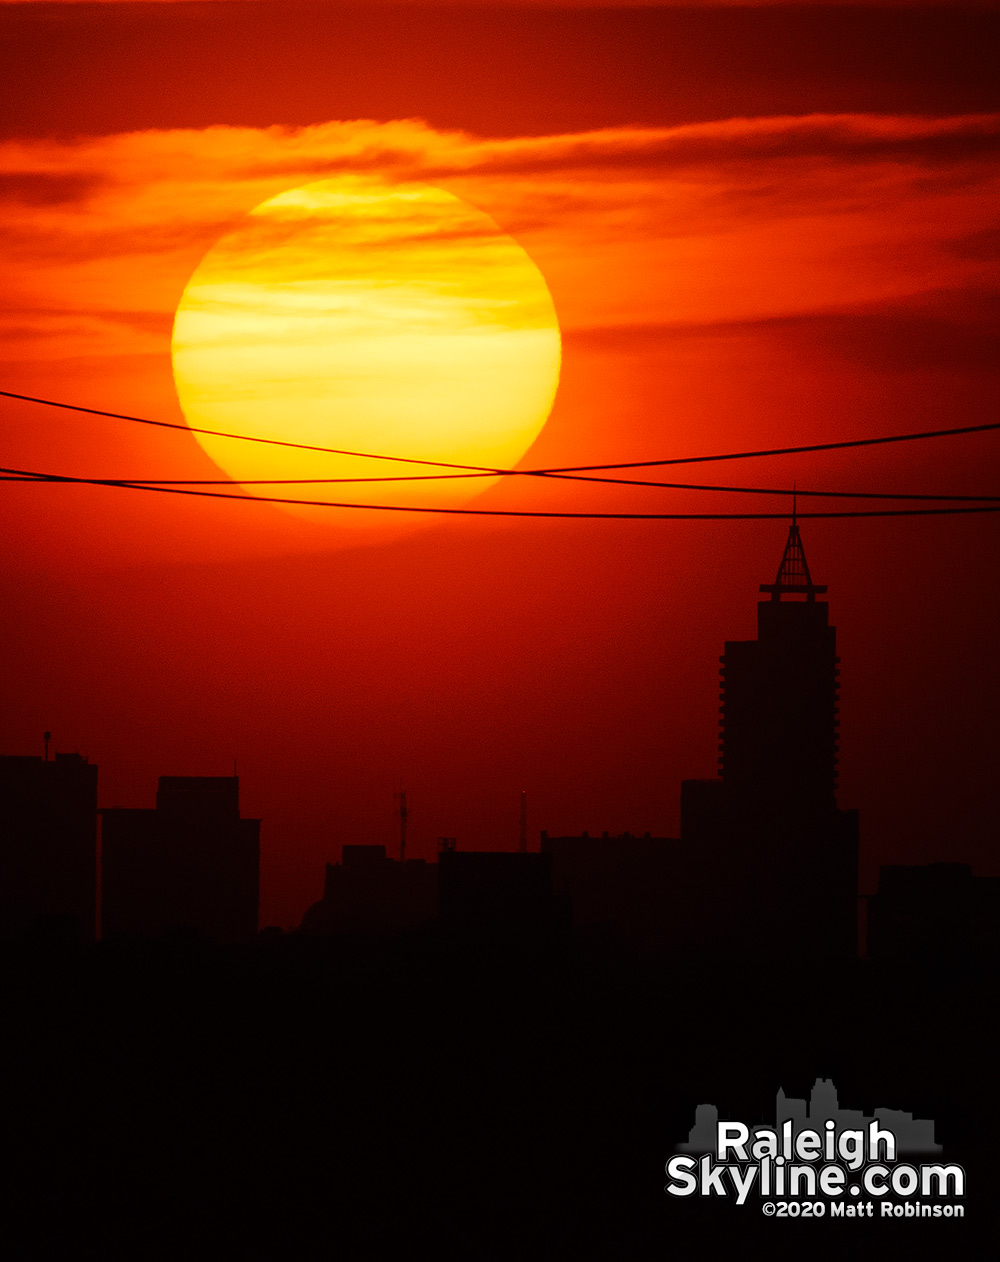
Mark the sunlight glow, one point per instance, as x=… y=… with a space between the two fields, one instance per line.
x=358 y=314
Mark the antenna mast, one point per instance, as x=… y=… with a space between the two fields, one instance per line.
x=403 y=815
x=524 y=822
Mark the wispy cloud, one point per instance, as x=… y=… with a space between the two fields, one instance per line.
x=730 y=220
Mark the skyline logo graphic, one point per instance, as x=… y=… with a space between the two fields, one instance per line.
x=817 y=1158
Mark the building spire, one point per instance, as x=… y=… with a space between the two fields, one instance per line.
x=793 y=572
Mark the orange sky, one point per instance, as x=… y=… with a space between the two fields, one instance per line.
x=761 y=277
x=655 y=243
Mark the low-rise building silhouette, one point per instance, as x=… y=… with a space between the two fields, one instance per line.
x=368 y=893
x=48 y=845
x=190 y=864
x=488 y=891
x=934 y=910
x=638 y=888
x=472 y=891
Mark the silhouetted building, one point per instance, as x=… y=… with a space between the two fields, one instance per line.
x=368 y=893
x=639 y=888
x=937 y=910
x=778 y=859
x=487 y=891
x=48 y=845
x=191 y=864
x=779 y=693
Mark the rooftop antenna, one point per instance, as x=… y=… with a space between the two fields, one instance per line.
x=524 y=822
x=793 y=572
x=46 y=736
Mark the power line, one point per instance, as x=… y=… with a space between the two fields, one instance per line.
x=778 y=451
x=246 y=438
x=416 y=477
x=431 y=477
x=490 y=472
x=28 y=475
x=766 y=490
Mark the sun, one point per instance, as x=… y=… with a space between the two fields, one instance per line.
x=371 y=317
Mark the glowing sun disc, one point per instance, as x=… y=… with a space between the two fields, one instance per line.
x=384 y=318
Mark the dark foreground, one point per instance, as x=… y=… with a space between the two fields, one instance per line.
x=441 y=1097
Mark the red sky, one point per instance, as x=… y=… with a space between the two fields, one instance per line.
x=760 y=226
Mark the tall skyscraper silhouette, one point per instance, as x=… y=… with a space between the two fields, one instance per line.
x=778 y=859
x=779 y=693
x=48 y=845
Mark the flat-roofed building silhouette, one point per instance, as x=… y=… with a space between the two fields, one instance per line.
x=637 y=888
x=507 y=891
x=778 y=858
x=190 y=864
x=934 y=911
x=48 y=845
x=369 y=893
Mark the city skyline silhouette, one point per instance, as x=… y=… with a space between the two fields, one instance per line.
x=765 y=856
